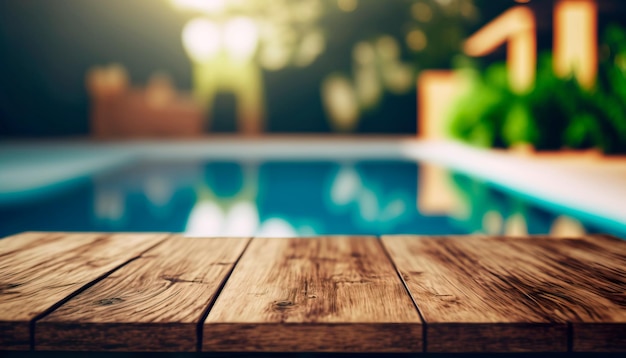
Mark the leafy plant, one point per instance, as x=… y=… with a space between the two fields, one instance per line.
x=556 y=113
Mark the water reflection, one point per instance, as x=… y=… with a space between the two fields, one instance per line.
x=480 y=208
x=232 y=211
x=371 y=208
x=281 y=199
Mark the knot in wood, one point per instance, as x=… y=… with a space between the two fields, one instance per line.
x=283 y=303
x=108 y=301
x=6 y=287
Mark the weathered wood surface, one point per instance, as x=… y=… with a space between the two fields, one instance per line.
x=154 y=303
x=152 y=292
x=12 y=244
x=319 y=294
x=41 y=270
x=516 y=294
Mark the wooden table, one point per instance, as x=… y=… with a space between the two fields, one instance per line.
x=164 y=292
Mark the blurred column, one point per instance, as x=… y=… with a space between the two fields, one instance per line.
x=436 y=90
x=437 y=194
x=222 y=56
x=516 y=28
x=576 y=40
x=106 y=87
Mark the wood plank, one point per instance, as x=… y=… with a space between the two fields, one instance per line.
x=25 y=240
x=33 y=278
x=28 y=247
x=323 y=294
x=604 y=256
x=510 y=295
x=600 y=264
x=152 y=304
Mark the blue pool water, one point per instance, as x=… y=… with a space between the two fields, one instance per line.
x=281 y=198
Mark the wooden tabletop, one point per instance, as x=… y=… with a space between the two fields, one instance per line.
x=165 y=292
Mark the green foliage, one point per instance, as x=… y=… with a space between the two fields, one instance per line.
x=555 y=113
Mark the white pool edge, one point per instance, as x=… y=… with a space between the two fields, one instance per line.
x=599 y=199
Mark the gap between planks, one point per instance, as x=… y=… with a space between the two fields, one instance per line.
x=199 y=327
x=207 y=310
x=544 y=309
x=321 y=294
x=42 y=315
x=151 y=304
x=40 y=270
x=408 y=292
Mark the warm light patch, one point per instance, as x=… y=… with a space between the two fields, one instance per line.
x=201 y=39
x=575 y=40
x=516 y=28
x=516 y=226
x=108 y=81
x=398 y=77
x=565 y=226
x=421 y=12
x=368 y=87
x=340 y=102
x=492 y=222
x=274 y=58
x=240 y=37
x=160 y=91
x=388 y=48
x=416 y=39
x=347 y=5
x=311 y=47
x=437 y=194
x=207 y=6
x=435 y=91
x=363 y=53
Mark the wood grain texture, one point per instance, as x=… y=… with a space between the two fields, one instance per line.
x=38 y=270
x=337 y=294
x=152 y=304
x=513 y=295
x=604 y=329
x=22 y=241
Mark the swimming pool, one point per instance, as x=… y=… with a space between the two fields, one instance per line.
x=372 y=193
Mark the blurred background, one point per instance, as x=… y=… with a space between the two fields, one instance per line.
x=313 y=66
x=544 y=80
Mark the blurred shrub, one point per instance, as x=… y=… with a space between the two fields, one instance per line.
x=555 y=113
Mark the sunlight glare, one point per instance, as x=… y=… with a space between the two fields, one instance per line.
x=207 y=6
x=201 y=39
x=241 y=37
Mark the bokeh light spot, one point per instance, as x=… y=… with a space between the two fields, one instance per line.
x=201 y=39
x=312 y=45
x=388 y=48
x=340 y=102
x=347 y=5
x=416 y=40
x=241 y=37
x=422 y=12
x=207 y=6
x=274 y=57
x=363 y=53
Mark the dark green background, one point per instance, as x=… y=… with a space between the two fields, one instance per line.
x=46 y=46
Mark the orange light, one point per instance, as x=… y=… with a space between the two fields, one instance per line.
x=435 y=91
x=575 y=40
x=516 y=27
x=437 y=194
